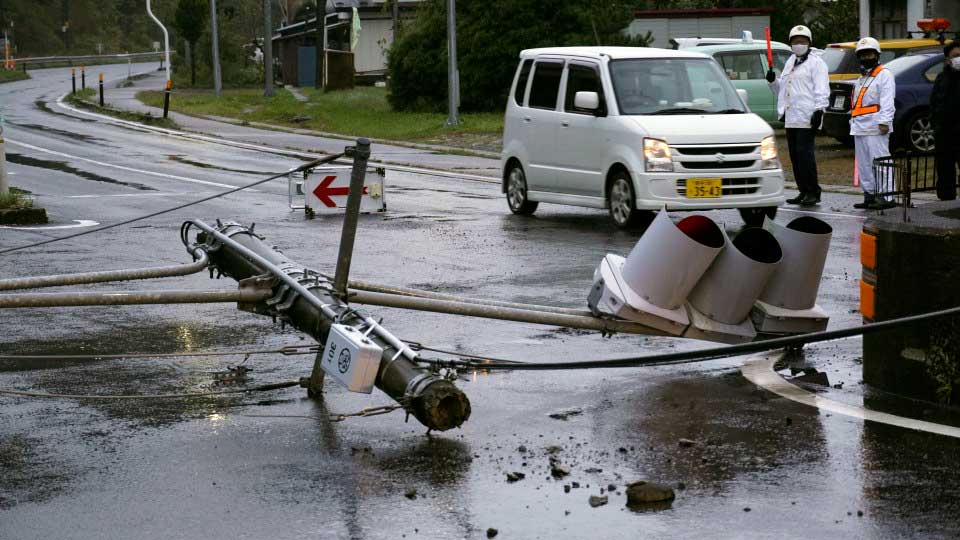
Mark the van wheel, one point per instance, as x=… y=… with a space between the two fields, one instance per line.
x=517 y=192
x=622 y=201
x=753 y=217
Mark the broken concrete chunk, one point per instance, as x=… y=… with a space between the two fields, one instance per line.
x=648 y=492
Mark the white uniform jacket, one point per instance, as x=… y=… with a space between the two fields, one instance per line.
x=801 y=90
x=880 y=90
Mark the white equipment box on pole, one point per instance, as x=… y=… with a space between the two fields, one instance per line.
x=351 y=358
x=325 y=191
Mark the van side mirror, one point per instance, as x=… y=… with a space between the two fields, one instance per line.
x=744 y=97
x=588 y=101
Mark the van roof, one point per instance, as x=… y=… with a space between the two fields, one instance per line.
x=612 y=52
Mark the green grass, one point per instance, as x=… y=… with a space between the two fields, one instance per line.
x=15 y=199
x=14 y=75
x=363 y=111
x=88 y=98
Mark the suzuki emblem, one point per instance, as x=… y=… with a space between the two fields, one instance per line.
x=720 y=158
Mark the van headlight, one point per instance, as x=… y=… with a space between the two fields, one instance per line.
x=768 y=153
x=656 y=155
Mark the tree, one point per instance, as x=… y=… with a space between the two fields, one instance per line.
x=190 y=20
x=490 y=35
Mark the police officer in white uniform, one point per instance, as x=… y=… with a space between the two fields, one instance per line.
x=803 y=92
x=871 y=122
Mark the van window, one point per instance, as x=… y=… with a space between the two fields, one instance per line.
x=780 y=59
x=546 y=85
x=741 y=66
x=673 y=86
x=582 y=79
x=522 y=82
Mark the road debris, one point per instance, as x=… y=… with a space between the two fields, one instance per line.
x=648 y=492
x=598 y=500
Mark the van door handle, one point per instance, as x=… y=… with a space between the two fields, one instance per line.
x=526 y=118
x=565 y=124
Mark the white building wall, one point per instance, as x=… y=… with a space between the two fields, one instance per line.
x=663 y=30
x=376 y=35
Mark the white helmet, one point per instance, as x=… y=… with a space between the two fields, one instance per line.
x=867 y=44
x=801 y=30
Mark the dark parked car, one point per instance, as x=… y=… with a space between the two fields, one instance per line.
x=914 y=75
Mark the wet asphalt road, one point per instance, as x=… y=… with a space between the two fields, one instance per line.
x=273 y=466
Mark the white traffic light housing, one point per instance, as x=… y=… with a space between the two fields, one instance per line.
x=651 y=285
x=721 y=302
x=788 y=304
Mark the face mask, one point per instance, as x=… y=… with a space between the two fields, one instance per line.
x=955 y=63
x=867 y=64
x=800 y=49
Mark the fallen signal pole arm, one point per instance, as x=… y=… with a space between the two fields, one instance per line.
x=85 y=278
x=529 y=314
x=699 y=355
x=128 y=298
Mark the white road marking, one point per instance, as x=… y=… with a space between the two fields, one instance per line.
x=79 y=223
x=272 y=150
x=136 y=195
x=122 y=168
x=831 y=214
x=760 y=371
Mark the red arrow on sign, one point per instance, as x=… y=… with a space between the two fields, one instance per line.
x=323 y=191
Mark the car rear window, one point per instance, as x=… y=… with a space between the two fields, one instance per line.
x=522 y=81
x=546 y=85
x=741 y=66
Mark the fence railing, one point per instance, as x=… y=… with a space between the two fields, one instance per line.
x=900 y=175
x=92 y=58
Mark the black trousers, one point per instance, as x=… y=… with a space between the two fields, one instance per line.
x=800 y=142
x=948 y=159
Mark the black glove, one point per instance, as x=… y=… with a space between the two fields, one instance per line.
x=771 y=76
x=816 y=119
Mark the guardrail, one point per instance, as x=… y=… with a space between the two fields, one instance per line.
x=902 y=174
x=92 y=58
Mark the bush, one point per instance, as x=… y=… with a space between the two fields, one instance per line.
x=490 y=35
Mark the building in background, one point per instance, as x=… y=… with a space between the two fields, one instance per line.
x=665 y=24
x=889 y=19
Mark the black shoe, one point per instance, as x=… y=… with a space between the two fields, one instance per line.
x=881 y=204
x=810 y=200
x=868 y=200
x=796 y=200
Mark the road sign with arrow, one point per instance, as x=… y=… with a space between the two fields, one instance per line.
x=325 y=190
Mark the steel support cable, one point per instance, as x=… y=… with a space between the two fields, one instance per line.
x=260 y=388
x=701 y=354
x=303 y=167
x=84 y=278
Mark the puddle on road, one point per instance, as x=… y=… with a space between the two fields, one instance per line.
x=62 y=166
x=73 y=136
x=43 y=106
x=180 y=158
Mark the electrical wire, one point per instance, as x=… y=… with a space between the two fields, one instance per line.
x=303 y=167
x=700 y=355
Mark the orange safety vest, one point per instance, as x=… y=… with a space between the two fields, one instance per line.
x=858 y=108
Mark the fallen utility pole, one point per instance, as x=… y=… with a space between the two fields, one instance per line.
x=307 y=301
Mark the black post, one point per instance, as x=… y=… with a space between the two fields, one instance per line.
x=166 y=99
x=360 y=154
x=83 y=77
x=101 y=89
x=73 y=80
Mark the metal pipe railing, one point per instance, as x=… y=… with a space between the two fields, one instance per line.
x=85 y=278
x=126 y=298
x=84 y=58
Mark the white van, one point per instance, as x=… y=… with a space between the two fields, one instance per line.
x=635 y=129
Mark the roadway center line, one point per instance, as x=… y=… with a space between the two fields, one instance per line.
x=170 y=194
x=79 y=224
x=122 y=168
x=760 y=372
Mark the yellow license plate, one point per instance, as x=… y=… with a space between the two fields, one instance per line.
x=704 y=188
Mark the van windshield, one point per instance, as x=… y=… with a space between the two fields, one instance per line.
x=673 y=86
